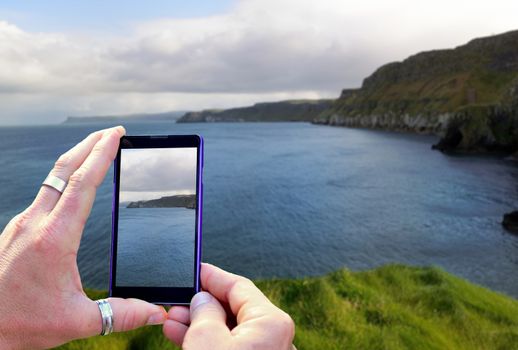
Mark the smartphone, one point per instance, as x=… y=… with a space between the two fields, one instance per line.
x=157 y=218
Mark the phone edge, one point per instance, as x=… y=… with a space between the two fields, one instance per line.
x=201 y=161
x=200 y=214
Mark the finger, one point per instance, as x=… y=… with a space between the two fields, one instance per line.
x=256 y=316
x=237 y=291
x=73 y=208
x=66 y=164
x=204 y=307
x=208 y=323
x=180 y=314
x=175 y=331
x=128 y=314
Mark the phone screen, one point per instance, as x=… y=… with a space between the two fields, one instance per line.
x=155 y=240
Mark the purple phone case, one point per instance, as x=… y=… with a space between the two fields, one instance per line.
x=198 y=232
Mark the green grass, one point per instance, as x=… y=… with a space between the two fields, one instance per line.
x=392 y=307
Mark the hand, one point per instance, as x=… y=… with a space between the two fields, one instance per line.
x=260 y=324
x=42 y=302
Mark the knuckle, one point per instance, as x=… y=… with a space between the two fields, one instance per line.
x=42 y=244
x=98 y=149
x=77 y=179
x=242 y=284
x=286 y=324
x=129 y=320
x=63 y=162
x=93 y=134
x=100 y=152
x=20 y=222
x=72 y=205
x=245 y=282
x=44 y=241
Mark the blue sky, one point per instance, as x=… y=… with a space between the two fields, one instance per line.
x=96 y=15
x=79 y=58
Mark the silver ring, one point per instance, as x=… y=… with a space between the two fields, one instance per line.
x=55 y=182
x=106 y=315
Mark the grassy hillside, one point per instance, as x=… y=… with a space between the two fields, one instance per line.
x=470 y=92
x=287 y=111
x=392 y=307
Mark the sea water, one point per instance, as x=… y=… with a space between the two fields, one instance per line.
x=155 y=247
x=295 y=199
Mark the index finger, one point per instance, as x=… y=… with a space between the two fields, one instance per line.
x=65 y=166
x=73 y=208
x=239 y=292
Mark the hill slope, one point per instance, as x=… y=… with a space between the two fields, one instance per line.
x=392 y=307
x=287 y=111
x=468 y=94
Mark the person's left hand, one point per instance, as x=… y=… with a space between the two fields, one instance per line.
x=42 y=302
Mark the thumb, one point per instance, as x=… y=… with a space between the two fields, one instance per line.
x=128 y=314
x=208 y=322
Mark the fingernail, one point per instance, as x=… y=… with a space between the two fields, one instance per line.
x=157 y=318
x=121 y=130
x=200 y=299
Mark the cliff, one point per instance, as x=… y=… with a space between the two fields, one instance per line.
x=180 y=201
x=287 y=111
x=468 y=95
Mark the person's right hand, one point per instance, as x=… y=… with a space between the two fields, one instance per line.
x=260 y=324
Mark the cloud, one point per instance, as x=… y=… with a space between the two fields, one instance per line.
x=154 y=173
x=260 y=49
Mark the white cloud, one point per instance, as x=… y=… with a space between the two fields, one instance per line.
x=260 y=50
x=154 y=173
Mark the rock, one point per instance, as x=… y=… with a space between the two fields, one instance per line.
x=510 y=221
x=450 y=141
x=481 y=128
x=180 y=201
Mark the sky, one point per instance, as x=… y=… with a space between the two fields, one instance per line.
x=79 y=58
x=165 y=172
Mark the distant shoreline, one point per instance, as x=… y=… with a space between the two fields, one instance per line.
x=140 y=117
x=280 y=111
x=178 y=201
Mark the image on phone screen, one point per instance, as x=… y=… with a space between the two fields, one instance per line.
x=157 y=203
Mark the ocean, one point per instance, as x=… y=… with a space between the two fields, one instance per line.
x=156 y=247
x=295 y=199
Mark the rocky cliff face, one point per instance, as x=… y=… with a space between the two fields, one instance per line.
x=486 y=128
x=300 y=110
x=468 y=95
